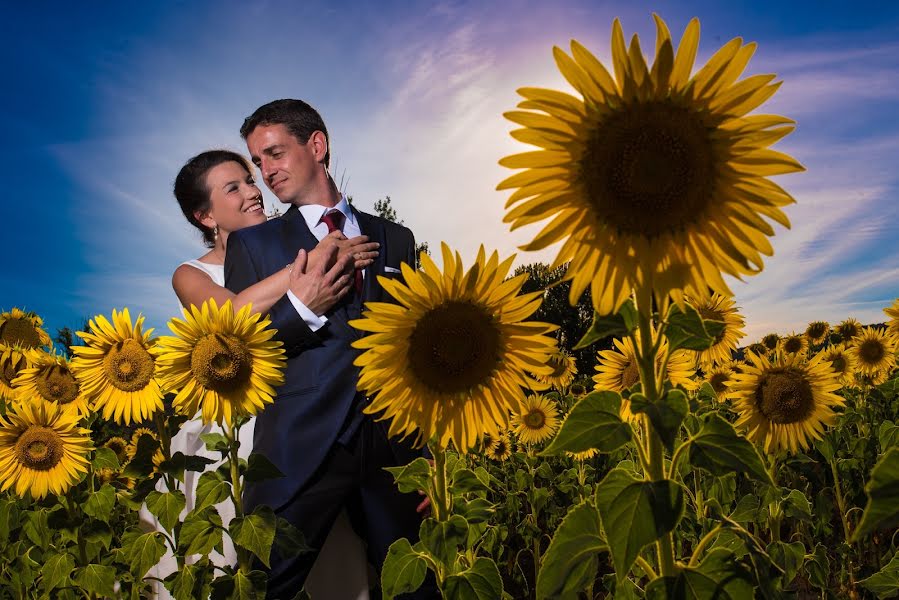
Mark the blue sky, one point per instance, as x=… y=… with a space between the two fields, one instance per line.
x=103 y=108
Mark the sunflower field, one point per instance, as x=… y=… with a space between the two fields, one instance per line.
x=688 y=465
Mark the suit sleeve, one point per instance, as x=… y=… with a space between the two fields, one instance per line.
x=241 y=273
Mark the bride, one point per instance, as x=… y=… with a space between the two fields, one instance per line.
x=218 y=195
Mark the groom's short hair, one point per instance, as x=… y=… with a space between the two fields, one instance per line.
x=300 y=119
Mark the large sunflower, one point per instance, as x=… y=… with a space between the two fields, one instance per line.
x=222 y=364
x=654 y=176
x=720 y=308
x=564 y=368
x=117 y=368
x=784 y=404
x=893 y=313
x=874 y=352
x=13 y=361
x=537 y=420
x=22 y=329
x=50 y=377
x=450 y=360
x=617 y=370
x=42 y=449
x=817 y=332
x=842 y=364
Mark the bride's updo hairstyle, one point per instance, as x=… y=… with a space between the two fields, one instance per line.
x=191 y=190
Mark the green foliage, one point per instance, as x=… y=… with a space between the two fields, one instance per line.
x=592 y=423
x=620 y=324
x=404 y=569
x=720 y=450
x=882 y=510
x=572 y=559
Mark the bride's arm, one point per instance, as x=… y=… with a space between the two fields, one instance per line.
x=193 y=286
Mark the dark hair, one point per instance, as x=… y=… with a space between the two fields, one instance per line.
x=191 y=190
x=300 y=119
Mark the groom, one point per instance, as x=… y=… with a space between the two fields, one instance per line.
x=332 y=455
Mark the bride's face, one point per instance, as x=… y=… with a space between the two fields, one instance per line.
x=234 y=200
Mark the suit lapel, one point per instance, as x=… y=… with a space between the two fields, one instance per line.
x=295 y=234
x=371 y=290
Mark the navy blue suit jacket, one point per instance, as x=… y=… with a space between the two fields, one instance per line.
x=319 y=391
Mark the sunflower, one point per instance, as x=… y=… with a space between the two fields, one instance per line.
x=842 y=364
x=737 y=365
x=121 y=448
x=719 y=377
x=42 y=449
x=585 y=455
x=140 y=432
x=720 y=308
x=13 y=361
x=450 y=360
x=617 y=370
x=564 y=368
x=655 y=177
x=785 y=403
x=223 y=364
x=537 y=421
x=577 y=390
x=794 y=344
x=817 y=332
x=50 y=377
x=848 y=329
x=115 y=478
x=758 y=348
x=22 y=329
x=770 y=341
x=116 y=368
x=501 y=448
x=874 y=353
x=893 y=313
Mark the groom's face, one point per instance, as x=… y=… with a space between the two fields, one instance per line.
x=290 y=169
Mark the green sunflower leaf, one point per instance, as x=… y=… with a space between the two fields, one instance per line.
x=882 y=510
x=289 y=539
x=56 y=571
x=412 y=477
x=99 y=579
x=885 y=582
x=201 y=531
x=144 y=552
x=570 y=563
x=688 y=330
x=404 y=569
x=104 y=458
x=635 y=513
x=166 y=507
x=666 y=414
x=481 y=581
x=620 y=324
x=593 y=422
x=99 y=505
x=259 y=468
x=211 y=489
x=255 y=532
x=443 y=539
x=215 y=442
x=720 y=450
x=789 y=557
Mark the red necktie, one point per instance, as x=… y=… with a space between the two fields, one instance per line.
x=334 y=220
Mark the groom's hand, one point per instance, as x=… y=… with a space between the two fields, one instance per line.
x=317 y=286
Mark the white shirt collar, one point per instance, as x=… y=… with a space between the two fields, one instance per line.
x=312 y=213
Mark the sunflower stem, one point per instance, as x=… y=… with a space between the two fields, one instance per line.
x=705 y=541
x=646 y=361
x=165 y=443
x=841 y=505
x=439 y=498
x=231 y=433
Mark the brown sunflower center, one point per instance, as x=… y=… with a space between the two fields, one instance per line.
x=129 y=366
x=784 y=395
x=57 y=384
x=39 y=448
x=630 y=374
x=455 y=347
x=221 y=363
x=838 y=363
x=770 y=341
x=20 y=332
x=718 y=381
x=559 y=364
x=649 y=169
x=871 y=352
x=9 y=372
x=848 y=330
x=535 y=419
x=817 y=330
x=793 y=344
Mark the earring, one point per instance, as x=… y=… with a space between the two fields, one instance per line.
x=215 y=232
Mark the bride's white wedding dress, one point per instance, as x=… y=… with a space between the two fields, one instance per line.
x=341 y=571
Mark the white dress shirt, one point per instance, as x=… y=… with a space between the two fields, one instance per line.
x=312 y=214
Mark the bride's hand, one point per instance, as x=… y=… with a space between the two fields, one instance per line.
x=318 y=287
